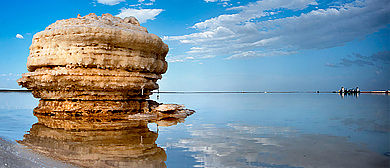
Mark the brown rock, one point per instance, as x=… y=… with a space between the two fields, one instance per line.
x=169 y=108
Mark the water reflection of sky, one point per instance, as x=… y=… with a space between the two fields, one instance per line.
x=237 y=125
x=16 y=115
x=247 y=145
x=256 y=130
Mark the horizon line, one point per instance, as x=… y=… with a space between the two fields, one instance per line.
x=196 y=92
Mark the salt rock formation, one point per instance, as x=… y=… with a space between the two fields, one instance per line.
x=97 y=66
x=95 y=108
x=95 y=58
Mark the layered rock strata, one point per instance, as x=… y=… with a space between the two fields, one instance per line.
x=56 y=115
x=97 y=66
x=95 y=58
x=97 y=108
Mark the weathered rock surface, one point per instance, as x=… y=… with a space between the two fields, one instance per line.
x=94 y=75
x=98 y=66
x=169 y=108
x=97 y=115
x=95 y=58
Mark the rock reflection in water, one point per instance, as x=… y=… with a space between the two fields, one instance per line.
x=133 y=147
x=92 y=139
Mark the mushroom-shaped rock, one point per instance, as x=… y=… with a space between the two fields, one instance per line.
x=95 y=58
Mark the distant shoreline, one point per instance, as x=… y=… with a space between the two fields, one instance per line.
x=219 y=92
x=14 y=90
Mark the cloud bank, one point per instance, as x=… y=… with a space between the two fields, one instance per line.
x=383 y=57
x=141 y=14
x=261 y=29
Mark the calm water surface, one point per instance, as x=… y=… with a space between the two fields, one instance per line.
x=235 y=130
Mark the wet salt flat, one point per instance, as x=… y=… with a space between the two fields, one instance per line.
x=227 y=130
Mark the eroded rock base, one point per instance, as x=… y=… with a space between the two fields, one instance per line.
x=98 y=108
x=92 y=115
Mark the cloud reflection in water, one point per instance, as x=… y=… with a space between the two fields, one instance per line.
x=241 y=145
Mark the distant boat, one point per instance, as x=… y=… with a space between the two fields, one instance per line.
x=352 y=90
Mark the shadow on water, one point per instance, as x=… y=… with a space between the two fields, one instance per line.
x=92 y=138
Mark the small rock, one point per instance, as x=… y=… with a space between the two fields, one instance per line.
x=169 y=108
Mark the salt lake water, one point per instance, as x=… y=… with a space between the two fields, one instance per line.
x=248 y=129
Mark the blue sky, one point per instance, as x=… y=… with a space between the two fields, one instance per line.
x=232 y=45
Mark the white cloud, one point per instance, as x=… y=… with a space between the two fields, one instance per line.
x=144 y=2
x=251 y=32
x=175 y=59
x=110 y=2
x=254 y=54
x=19 y=36
x=11 y=74
x=224 y=3
x=216 y=1
x=141 y=14
x=180 y=58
